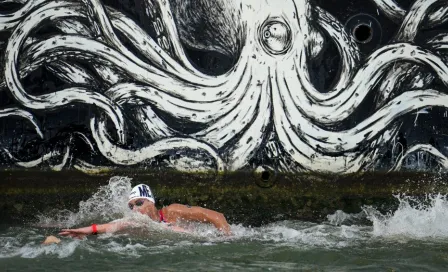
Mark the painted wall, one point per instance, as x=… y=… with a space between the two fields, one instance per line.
x=285 y=85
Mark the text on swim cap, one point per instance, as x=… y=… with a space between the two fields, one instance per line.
x=144 y=192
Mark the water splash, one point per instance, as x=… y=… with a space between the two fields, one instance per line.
x=414 y=218
x=108 y=203
x=340 y=218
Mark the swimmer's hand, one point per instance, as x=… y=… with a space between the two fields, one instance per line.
x=51 y=240
x=226 y=230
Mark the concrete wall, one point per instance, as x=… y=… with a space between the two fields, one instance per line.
x=272 y=86
x=243 y=197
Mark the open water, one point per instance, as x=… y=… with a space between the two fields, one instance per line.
x=414 y=237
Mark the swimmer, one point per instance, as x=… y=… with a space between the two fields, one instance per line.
x=142 y=200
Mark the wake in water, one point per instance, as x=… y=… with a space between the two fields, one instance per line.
x=414 y=219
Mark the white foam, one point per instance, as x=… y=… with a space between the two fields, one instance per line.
x=108 y=203
x=341 y=218
x=298 y=234
x=33 y=249
x=128 y=249
x=414 y=218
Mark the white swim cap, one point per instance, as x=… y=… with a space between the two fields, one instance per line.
x=141 y=191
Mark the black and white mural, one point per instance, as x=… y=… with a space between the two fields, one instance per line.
x=285 y=85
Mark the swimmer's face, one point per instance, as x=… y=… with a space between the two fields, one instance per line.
x=141 y=205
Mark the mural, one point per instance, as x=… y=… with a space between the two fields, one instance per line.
x=283 y=85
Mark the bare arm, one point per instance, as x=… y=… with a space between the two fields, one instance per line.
x=101 y=228
x=199 y=214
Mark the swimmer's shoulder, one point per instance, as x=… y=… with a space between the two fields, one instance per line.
x=176 y=210
x=175 y=207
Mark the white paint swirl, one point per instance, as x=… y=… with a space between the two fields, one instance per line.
x=265 y=103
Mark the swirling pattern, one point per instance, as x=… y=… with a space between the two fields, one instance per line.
x=146 y=83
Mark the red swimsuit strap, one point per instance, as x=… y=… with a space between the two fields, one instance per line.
x=162 y=219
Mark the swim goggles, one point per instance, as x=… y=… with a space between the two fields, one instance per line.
x=138 y=203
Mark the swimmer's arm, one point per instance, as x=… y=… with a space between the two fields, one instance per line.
x=101 y=228
x=199 y=214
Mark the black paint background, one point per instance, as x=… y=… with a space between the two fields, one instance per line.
x=19 y=137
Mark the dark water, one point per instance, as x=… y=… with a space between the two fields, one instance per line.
x=412 y=238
